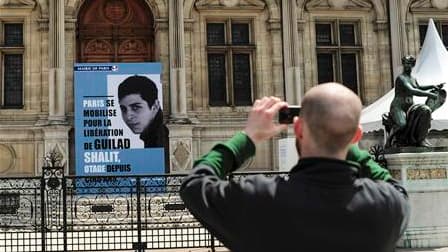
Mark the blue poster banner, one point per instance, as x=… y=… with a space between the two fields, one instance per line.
x=118 y=119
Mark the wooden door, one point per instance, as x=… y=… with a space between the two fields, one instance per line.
x=115 y=31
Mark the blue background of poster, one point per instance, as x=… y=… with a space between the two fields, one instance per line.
x=91 y=83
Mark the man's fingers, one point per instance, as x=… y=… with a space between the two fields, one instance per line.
x=277 y=106
x=265 y=103
x=257 y=103
x=268 y=106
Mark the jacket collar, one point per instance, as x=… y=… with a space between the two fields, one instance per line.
x=326 y=170
x=150 y=133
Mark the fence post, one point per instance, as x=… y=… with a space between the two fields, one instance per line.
x=53 y=197
x=64 y=210
x=140 y=247
x=42 y=211
x=212 y=245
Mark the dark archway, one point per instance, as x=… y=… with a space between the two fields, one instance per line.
x=115 y=31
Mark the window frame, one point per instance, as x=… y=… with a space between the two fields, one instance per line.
x=336 y=49
x=228 y=49
x=438 y=23
x=11 y=50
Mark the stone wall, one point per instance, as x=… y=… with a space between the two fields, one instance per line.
x=284 y=65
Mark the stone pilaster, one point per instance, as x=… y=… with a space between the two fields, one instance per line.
x=293 y=86
x=178 y=90
x=274 y=26
x=396 y=32
x=56 y=73
x=162 y=54
x=385 y=78
x=55 y=131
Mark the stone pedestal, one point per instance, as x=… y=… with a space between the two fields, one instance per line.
x=424 y=175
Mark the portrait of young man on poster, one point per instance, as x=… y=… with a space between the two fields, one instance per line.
x=141 y=110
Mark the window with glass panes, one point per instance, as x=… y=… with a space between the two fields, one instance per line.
x=442 y=28
x=338 y=49
x=11 y=67
x=229 y=63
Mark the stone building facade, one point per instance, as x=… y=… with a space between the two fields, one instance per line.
x=218 y=56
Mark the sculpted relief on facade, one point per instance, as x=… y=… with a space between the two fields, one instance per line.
x=424 y=4
x=378 y=5
x=202 y=4
x=338 y=4
x=17 y=2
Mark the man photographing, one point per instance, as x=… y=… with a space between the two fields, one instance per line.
x=323 y=204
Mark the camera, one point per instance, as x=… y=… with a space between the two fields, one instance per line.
x=287 y=114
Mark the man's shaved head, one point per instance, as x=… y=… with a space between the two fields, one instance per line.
x=331 y=112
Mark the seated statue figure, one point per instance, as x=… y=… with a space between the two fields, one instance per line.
x=407 y=123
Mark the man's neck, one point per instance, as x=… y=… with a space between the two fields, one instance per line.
x=316 y=153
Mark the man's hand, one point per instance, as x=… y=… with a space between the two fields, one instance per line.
x=260 y=125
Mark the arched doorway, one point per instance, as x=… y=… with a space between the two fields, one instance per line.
x=115 y=31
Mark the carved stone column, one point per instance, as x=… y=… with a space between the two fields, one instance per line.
x=56 y=73
x=385 y=78
x=293 y=86
x=56 y=133
x=178 y=90
x=396 y=31
x=274 y=26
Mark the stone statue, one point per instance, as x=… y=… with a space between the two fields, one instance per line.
x=407 y=124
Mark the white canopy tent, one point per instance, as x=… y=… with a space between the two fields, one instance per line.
x=431 y=68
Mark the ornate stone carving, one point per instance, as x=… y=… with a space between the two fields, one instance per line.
x=205 y=4
x=316 y=3
x=421 y=4
x=426 y=4
x=432 y=173
x=440 y=4
x=338 y=4
x=31 y=3
x=182 y=153
x=362 y=3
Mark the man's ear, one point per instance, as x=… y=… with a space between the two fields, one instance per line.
x=298 y=127
x=156 y=105
x=358 y=135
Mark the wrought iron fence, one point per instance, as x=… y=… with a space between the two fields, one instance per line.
x=68 y=213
